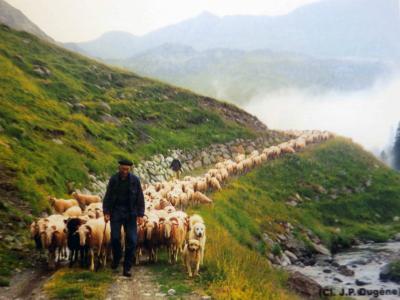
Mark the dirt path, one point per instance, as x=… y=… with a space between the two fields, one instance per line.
x=27 y=285
x=143 y=286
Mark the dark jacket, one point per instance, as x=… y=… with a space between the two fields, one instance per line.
x=136 y=198
x=176 y=165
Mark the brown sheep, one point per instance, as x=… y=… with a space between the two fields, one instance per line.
x=91 y=235
x=199 y=197
x=85 y=200
x=55 y=241
x=175 y=237
x=61 y=205
x=214 y=183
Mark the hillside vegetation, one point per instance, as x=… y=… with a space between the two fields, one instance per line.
x=342 y=186
x=64 y=116
x=361 y=196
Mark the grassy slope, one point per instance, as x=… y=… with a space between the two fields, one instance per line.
x=37 y=108
x=235 y=264
x=249 y=205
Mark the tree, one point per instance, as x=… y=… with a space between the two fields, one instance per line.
x=396 y=149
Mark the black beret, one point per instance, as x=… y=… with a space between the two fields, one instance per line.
x=125 y=162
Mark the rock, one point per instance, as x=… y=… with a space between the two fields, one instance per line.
x=303 y=284
x=206 y=160
x=285 y=261
x=249 y=149
x=320 y=189
x=205 y=297
x=385 y=273
x=396 y=218
x=57 y=141
x=281 y=237
x=105 y=106
x=291 y=256
x=42 y=71
x=368 y=182
x=110 y=119
x=171 y=292
x=298 y=197
x=361 y=282
x=197 y=164
x=321 y=249
x=295 y=246
x=344 y=270
x=361 y=261
x=327 y=271
x=397 y=237
x=267 y=239
x=323 y=260
x=79 y=106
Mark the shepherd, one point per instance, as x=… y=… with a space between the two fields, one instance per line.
x=123 y=205
x=176 y=166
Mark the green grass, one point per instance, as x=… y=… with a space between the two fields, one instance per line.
x=172 y=277
x=78 y=284
x=255 y=203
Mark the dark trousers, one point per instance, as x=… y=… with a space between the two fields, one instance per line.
x=121 y=218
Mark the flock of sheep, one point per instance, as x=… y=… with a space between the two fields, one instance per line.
x=78 y=223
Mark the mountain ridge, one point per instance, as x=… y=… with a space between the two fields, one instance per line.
x=361 y=28
x=14 y=18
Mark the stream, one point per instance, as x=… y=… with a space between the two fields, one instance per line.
x=366 y=261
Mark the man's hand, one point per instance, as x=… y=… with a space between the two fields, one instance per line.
x=139 y=220
x=106 y=217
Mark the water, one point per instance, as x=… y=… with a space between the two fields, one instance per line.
x=366 y=261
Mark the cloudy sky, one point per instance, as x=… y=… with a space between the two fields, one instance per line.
x=82 y=20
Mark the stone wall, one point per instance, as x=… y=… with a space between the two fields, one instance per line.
x=157 y=168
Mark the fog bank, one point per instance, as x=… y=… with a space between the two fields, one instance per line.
x=369 y=117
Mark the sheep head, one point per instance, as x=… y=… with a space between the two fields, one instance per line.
x=85 y=232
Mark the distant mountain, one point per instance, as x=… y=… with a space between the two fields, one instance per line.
x=329 y=28
x=15 y=19
x=238 y=75
x=113 y=44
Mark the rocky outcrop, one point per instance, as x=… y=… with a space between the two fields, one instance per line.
x=15 y=19
x=304 y=285
x=389 y=272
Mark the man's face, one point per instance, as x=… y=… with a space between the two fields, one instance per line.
x=124 y=170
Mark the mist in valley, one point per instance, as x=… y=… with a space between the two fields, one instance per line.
x=370 y=117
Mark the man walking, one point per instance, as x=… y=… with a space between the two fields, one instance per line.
x=176 y=166
x=123 y=205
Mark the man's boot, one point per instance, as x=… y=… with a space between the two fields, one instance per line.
x=114 y=265
x=127 y=273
